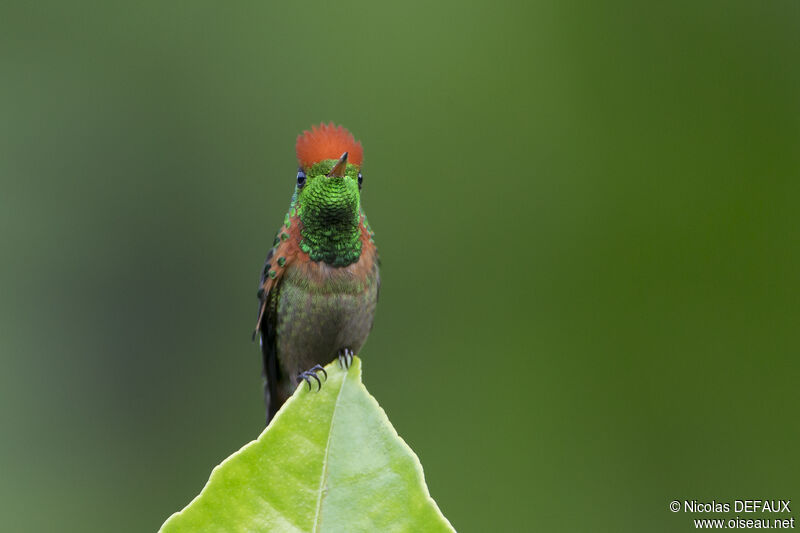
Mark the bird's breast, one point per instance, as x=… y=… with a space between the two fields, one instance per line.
x=323 y=309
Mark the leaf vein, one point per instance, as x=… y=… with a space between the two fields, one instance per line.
x=324 y=477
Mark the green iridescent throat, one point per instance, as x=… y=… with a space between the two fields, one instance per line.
x=330 y=211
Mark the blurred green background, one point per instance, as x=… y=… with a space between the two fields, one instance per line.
x=587 y=216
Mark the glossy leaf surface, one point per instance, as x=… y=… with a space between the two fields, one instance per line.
x=329 y=461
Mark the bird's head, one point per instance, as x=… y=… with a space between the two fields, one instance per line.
x=329 y=176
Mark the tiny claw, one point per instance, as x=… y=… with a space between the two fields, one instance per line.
x=309 y=374
x=346 y=358
x=319 y=368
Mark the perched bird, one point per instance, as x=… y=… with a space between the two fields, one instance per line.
x=319 y=286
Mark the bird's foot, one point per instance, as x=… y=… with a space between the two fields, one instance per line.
x=346 y=358
x=308 y=375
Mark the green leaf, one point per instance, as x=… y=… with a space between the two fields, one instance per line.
x=329 y=461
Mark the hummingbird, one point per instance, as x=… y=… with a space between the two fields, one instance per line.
x=319 y=286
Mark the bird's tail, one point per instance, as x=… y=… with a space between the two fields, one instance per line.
x=271 y=374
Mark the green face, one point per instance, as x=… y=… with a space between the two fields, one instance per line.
x=329 y=208
x=330 y=200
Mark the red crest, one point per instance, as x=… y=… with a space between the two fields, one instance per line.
x=327 y=141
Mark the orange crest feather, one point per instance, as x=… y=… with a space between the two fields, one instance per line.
x=327 y=141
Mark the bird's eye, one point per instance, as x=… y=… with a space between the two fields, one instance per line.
x=360 y=180
x=301 y=178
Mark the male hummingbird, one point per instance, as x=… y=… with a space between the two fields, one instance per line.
x=319 y=285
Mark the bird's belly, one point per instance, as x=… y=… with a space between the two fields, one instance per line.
x=315 y=322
